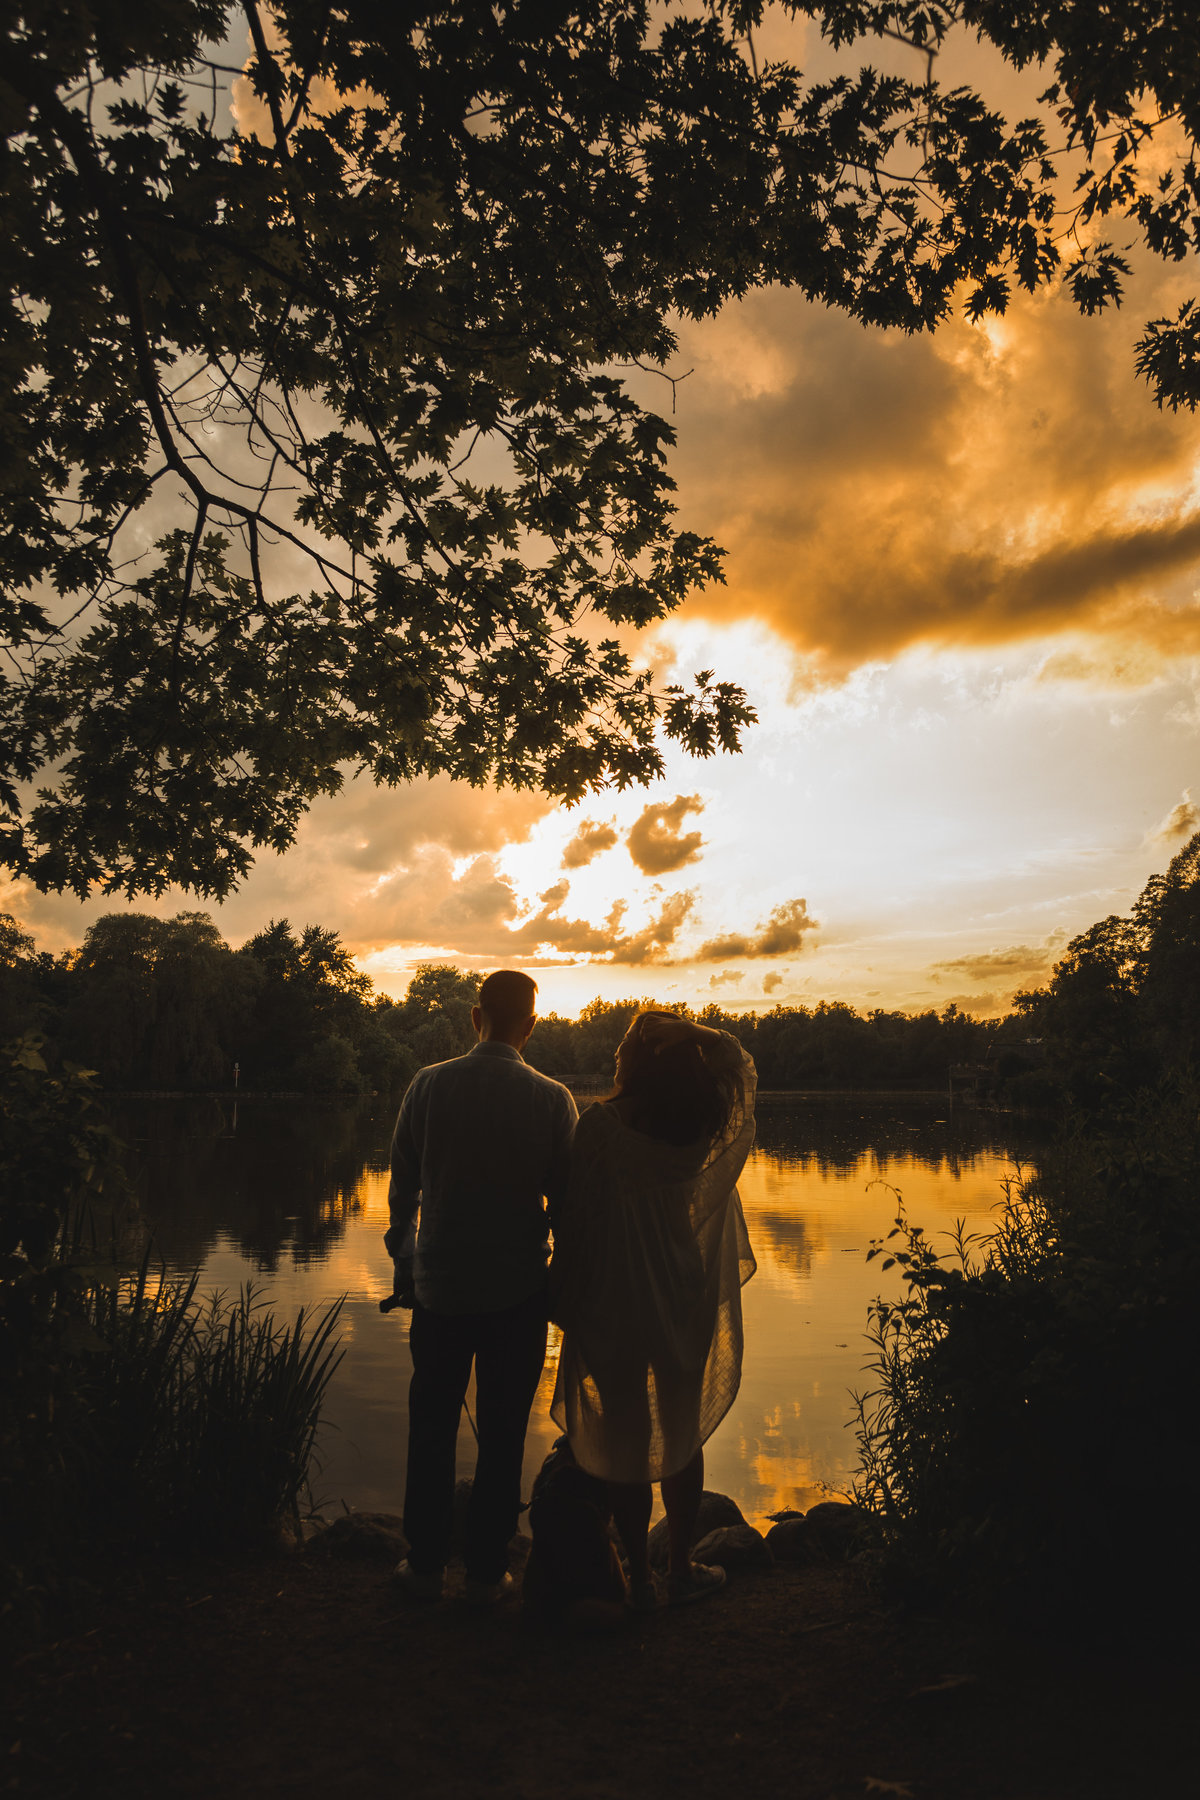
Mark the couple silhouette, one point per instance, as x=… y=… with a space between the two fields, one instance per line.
x=488 y=1159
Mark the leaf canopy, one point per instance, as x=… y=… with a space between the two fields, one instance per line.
x=319 y=447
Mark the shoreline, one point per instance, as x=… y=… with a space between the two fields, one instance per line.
x=582 y=1090
x=308 y=1676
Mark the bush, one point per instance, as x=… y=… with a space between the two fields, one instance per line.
x=130 y=1415
x=1025 y=1421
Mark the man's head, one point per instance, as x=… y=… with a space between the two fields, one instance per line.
x=505 y=1013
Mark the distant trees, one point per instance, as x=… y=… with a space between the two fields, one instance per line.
x=316 y=1023
x=434 y=1018
x=161 y=1000
x=826 y=1046
x=166 y=1004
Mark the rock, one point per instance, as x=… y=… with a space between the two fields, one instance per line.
x=791 y=1541
x=735 y=1548
x=716 y=1510
x=835 y=1528
x=362 y=1536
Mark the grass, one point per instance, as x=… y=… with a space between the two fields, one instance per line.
x=200 y=1416
x=179 y=1423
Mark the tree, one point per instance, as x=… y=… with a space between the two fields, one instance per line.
x=317 y=1023
x=359 y=371
x=20 y=1002
x=434 y=1017
x=1167 y=914
x=1121 y=1008
x=158 y=1002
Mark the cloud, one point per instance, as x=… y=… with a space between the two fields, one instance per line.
x=589 y=842
x=772 y=981
x=608 y=942
x=727 y=978
x=782 y=934
x=1017 y=966
x=480 y=914
x=378 y=864
x=655 y=842
x=981 y=1006
x=977 y=486
x=655 y=939
x=1182 y=820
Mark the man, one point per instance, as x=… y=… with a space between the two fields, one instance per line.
x=481 y=1145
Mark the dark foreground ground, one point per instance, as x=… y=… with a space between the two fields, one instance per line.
x=308 y=1675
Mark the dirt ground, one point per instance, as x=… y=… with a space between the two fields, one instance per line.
x=309 y=1675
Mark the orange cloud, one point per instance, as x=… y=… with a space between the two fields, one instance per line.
x=1182 y=820
x=608 y=942
x=655 y=842
x=1022 y=962
x=589 y=842
x=1015 y=967
x=377 y=863
x=983 y=485
x=782 y=934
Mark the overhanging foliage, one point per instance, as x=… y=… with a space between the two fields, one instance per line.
x=318 y=446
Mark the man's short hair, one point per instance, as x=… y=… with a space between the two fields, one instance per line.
x=508 y=997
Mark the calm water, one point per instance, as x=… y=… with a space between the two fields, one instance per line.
x=295 y=1199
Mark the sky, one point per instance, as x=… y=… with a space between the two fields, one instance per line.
x=962 y=595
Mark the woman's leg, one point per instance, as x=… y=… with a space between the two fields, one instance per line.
x=681 y=1494
x=631 y=1503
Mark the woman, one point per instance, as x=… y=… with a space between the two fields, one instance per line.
x=650 y=1255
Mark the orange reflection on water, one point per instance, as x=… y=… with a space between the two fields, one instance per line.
x=307 y=1225
x=789 y=1436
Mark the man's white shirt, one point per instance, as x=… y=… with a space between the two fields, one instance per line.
x=481 y=1146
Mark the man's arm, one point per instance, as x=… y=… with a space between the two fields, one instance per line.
x=565 y=1120
x=404 y=1198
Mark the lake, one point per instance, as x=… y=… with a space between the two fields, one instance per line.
x=293 y=1196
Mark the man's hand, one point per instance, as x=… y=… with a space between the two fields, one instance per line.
x=394 y=1300
x=395 y=1241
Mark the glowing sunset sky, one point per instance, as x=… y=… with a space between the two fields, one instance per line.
x=962 y=595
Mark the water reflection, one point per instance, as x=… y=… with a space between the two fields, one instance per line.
x=282 y=1182
x=296 y=1196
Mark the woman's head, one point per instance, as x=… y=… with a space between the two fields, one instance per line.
x=668 y=1088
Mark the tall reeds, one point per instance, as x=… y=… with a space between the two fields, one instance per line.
x=132 y=1412
x=198 y=1418
x=245 y=1412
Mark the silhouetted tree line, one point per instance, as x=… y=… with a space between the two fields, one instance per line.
x=166 y=1004
x=1121 y=1013
x=829 y=1045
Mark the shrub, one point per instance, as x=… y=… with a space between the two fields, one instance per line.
x=1025 y=1417
x=200 y=1417
x=130 y=1414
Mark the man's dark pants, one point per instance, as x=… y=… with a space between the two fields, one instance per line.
x=508 y=1349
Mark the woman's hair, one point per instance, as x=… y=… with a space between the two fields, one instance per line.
x=671 y=1093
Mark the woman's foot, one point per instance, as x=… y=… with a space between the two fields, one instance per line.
x=697 y=1582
